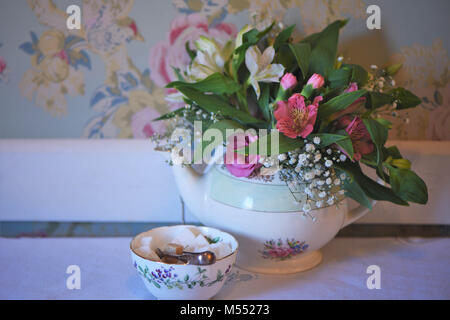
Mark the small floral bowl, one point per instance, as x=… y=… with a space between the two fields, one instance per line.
x=181 y=281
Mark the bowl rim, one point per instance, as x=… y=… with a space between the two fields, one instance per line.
x=184 y=225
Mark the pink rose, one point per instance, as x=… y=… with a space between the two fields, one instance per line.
x=240 y=165
x=359 y=135
x=172 y=51
x=316 y=80
x=2 y=65
x=142 y=124
x=294 y=118
x=288 y=81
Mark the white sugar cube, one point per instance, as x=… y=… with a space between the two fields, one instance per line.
x=153 y=256
x=148 y=253
x=143 y=250
x=199 y=242
x=202 y=249
x=146 y=241
x=221 y=249
x=184 y=237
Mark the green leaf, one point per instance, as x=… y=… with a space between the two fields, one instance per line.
x=359 y=75
x=385 y=123
x=327 y=139
x=313 y=38
x=371 y=188
x=192 y=53
x=339 y=103
x=283 y=37
x=263 y=101
x=393 y=69
x=347 y=146
x=379 y=135
x=217 y=105
x=171 y=114
x=393 y=152
x=177 y=72
x=405 y=99
x=354 y=191
x=216 y=83
x=302 y=53
x=324 y=49
x=339 y=78
x=285 y=144
x=377 y=100
x=249 y=39
x=408 y=185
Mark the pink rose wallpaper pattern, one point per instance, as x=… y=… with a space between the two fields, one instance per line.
x=110 y=74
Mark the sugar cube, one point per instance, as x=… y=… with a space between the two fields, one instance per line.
x=184 y=237
x=173 y=248
x=221 y=249
x=146 y=241
x=199 y=241
x=148 y=253
x=202 y=249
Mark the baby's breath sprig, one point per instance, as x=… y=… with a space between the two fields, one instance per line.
x=309 y=173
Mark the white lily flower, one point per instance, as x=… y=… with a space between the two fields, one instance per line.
x=211 y=57
x=260 y=67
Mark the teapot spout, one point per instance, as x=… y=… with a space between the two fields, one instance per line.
x=191 y=186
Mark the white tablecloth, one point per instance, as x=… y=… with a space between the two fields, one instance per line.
x=410 y=269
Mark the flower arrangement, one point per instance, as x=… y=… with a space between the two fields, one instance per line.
x=294 y=109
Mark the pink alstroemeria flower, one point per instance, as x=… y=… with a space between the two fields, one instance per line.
x=359 y=135
x=288 y=81
x=317 y=81
x=294 y=118
x=240 y=165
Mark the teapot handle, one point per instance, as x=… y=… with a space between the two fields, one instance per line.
x=359 y=211
x=356 y=213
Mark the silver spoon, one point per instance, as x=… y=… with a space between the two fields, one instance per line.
x=195 y=258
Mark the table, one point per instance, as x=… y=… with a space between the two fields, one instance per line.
x=411 y=268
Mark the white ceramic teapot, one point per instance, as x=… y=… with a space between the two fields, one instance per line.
x=273 y=233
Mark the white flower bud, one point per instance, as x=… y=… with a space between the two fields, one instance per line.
x=310 y=147
x=282 y=157
x=316 y=140
x=309 y=175
x=317 y=157
x=328 y=163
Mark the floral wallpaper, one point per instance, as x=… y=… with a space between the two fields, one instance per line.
x=107 y=79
